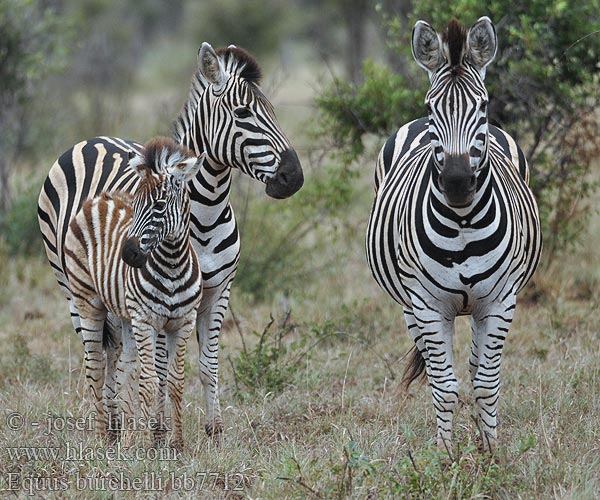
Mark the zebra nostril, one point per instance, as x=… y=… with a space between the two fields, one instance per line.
x=473 y=181
x=282 y=176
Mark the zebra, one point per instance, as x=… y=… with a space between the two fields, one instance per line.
x=454 y=228
x=160 y=287
x=229 y=118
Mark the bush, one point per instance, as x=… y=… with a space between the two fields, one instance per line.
x=301 y=231
x=19 y=224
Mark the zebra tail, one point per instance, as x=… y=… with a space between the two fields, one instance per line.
x=415 y=368
x=108 y=336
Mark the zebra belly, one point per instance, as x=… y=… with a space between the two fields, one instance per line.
x=458 y=289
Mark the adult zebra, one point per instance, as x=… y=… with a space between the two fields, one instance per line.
x=454 y=228
x=227 y=117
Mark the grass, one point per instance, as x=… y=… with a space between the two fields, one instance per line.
x=331 y=421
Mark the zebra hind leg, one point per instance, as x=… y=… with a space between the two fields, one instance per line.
x=127 y=379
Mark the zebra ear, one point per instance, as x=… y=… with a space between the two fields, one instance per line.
x=138 y=164
x=188 y=169
x=210 y=66
x=482 y=44
x=426 y=47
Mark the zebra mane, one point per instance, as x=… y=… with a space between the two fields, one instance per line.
x=238 y=61
x=160 y=153
x=235 y=61
x=455 y=38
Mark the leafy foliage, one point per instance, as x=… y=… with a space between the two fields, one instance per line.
x=19 y=223
x=265 y=366
x=543 y=86
x=285 y=259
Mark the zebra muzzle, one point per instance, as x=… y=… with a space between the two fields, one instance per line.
x=457 y=181
x=289 y=177
x=131 y=254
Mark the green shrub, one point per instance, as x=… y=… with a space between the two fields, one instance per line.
x=19 y=224
x=264 y=367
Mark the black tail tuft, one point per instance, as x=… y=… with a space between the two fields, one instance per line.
x=108 y=336
x=415 y=368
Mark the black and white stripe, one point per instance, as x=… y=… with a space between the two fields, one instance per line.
x=159 y=289
x=454 y=228
x=227 y=117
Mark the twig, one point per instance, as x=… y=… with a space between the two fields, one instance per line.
x=300 y=480
x=235 y=376
x=352 y=337
x=238 y=328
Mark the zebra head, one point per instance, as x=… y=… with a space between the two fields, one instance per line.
x=161 y=200
x=229 y=117
x=456 y=102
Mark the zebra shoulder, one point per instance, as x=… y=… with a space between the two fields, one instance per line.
x=401 y=142
x=509 y=147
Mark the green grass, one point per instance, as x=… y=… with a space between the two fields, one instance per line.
x=331 y=421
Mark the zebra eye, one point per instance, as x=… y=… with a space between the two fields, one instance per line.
x=483 y=106
x=160 y=205
x=428 y=108
x=243 y=112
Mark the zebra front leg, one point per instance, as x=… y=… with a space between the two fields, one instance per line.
x=176 y=346
x=162 y=366
x=91 y=333
x=489 y=333
x=145 y=340
x=208 y=327
x=474 y=354
x=433 y=335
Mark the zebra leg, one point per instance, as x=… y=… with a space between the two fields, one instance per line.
x=177 y=342
x=127 y=376
x=489 y=331
x=432 y=334
x=208 y=327
x=91 y=332
x=112 y=346
x=145 y=341
x=75 y=320
x=474 y=355
x=161 y=365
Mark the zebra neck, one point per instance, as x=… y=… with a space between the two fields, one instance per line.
x=172 y=253
x=209 y=194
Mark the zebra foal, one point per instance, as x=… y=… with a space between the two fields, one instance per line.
x=454 y=228
x=131 y=256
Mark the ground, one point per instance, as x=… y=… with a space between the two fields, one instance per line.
x=318 y=411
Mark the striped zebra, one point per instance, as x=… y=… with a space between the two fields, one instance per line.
x=227 y=117
x=160 y=288
x=454 y=228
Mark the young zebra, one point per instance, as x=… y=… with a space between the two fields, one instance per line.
x=454 y=228
x=160 y=288
x=229 y=118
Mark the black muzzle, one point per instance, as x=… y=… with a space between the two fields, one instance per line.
x=457 y=181
x=132 y=254
x=289 y=177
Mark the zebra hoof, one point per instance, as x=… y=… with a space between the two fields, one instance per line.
x=215 y=429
